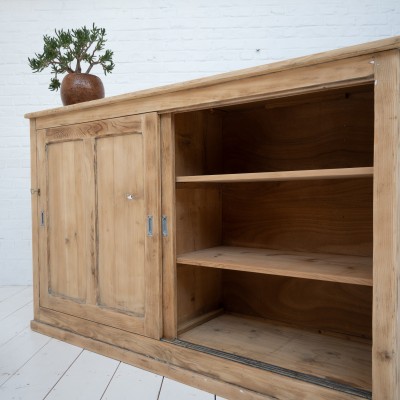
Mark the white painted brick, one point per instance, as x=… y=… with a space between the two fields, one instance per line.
x=155 y=42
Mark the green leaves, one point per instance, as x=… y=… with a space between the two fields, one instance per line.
x=54 y=84
x=80 y=45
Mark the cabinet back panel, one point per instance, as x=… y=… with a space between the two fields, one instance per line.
x=198 y=218
x=325 y=216
x=199 y=291
x=332 y=132
x=67 y=220
x=121 y=223
x=198 y=146
x=322 y=306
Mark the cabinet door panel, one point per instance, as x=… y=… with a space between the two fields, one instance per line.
x=67 y=220
x=121 y=223
x=99 y=183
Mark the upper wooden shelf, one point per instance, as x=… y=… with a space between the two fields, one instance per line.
x=337 y=173
x=324 y=267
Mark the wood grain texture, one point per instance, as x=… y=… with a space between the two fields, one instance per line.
x=288 y=82
x=323 y=356
x=321 y=216
x=95 y=313
x=323 y=95
x=35 y=214
x=42 y=206
x=226 y=378
x=198 y=218
x=199 y=320
x=198 y=142
x=335 y=132
x=121 y=223
x=198 y=226
x=130 y=124
x=199 y=292
x=314 y=59
x=327 y=307
x=90 y=165
x=324 y=267
x=67 y=220
x=153 y=258
x=281 y=176
x=169 y=311
x=189 y=143
x=117 y=283
x=317 y=113
x=386 y=327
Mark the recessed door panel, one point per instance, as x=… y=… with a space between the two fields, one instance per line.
x=121 y=223
x=66 y=219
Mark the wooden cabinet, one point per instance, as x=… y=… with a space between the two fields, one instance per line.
x=99 y=245
x=238 y=233
x=274 y=235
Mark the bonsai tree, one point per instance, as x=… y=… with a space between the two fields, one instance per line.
x=76 y=46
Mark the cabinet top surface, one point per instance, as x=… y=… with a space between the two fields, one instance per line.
x=314 y=59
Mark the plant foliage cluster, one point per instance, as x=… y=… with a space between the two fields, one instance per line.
x=68 y=51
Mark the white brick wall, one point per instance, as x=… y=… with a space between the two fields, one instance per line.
x=155 y=42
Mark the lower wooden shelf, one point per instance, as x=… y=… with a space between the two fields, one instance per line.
x=335 y=359
x=325 y=267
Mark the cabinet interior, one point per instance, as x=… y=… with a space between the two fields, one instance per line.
x=274 y=232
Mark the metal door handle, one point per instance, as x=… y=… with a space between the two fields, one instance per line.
x=149 y=225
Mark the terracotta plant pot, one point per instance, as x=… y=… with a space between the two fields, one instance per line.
x=77 y=88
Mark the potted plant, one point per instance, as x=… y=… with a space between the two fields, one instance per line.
x=69 y=51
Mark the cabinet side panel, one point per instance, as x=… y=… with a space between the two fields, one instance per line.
x=66 y=220
x=35 y=216
x=386 y=260
x=199 y=292
x=198 y=142
x=198 y=218
x=121 y=223
x=198 y=226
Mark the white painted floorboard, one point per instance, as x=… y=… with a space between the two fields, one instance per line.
x=41 y=373
x=18 y=351
x=7 y=291
x=36 y=367
x=172 y=390
x=15 y=302
x=128 y=380
x=86 y=379
x=15 y=323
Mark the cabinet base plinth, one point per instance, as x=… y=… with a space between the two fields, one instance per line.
x=189 y=366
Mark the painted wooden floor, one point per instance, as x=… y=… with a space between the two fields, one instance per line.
x=36 y=367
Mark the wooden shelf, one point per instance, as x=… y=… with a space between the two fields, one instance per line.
x=325 y=267
x=337 y=173
x=332 y=358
